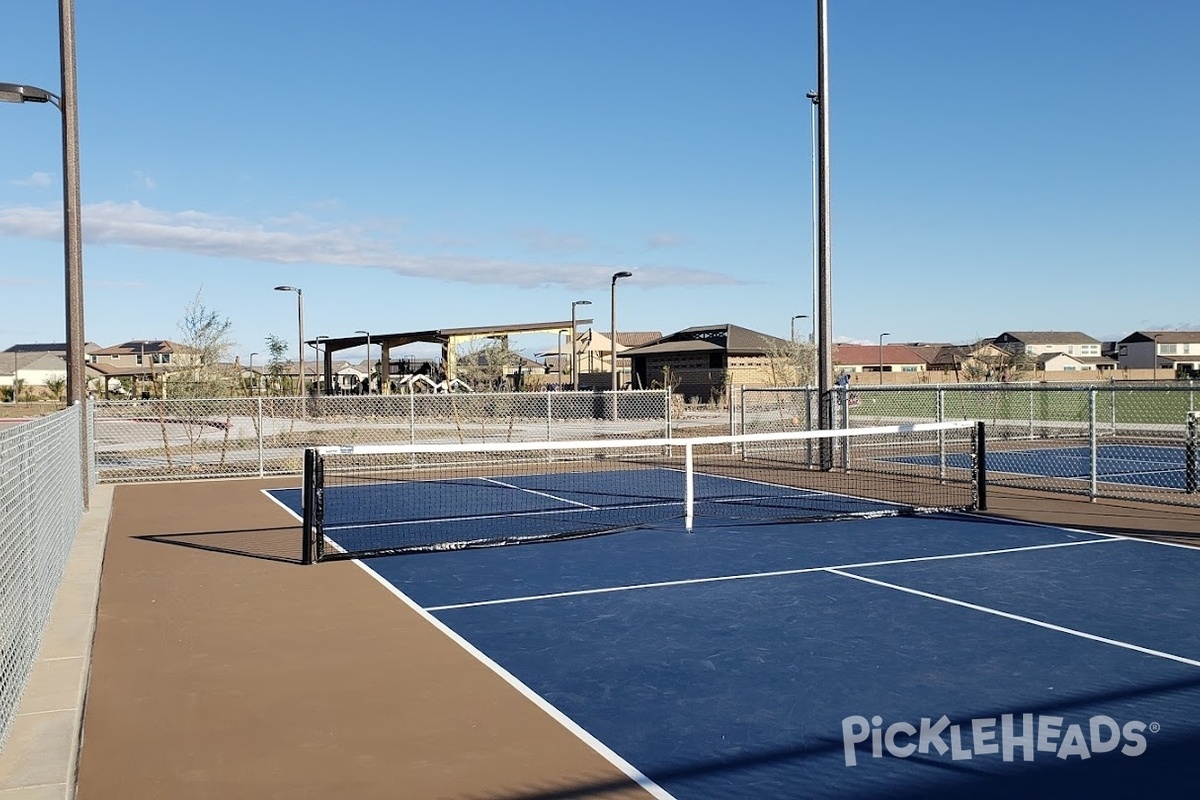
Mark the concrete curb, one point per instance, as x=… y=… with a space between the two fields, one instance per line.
x=40 y=758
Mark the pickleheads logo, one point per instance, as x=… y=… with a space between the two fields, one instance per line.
x=1029 y=733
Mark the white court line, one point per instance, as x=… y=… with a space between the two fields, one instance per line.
x=1017 y=617
x=630 y=771
x=280 y=503
x=750 y=575
x=537 y=493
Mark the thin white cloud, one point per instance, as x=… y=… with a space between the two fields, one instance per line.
x=300 y=241
x=552 y=242
x=659 y=241
x=144 y=181
x=37 y=180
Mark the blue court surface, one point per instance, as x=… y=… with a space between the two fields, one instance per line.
x=927 y=656
x=1136 y=465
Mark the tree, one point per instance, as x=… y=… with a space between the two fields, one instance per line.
x=485 y=366
x=57 y=385
x=792 y=363
x=206 y=338
x=278 y=375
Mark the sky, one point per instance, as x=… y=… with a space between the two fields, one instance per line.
x=995 y=165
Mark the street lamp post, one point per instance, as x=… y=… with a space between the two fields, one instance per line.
x=881 y=356
x=574 y=347
x=300 y=318
x=253 y=382
x=798 y=316
x=369 y=370
x=1156 y=356
x=72 y=228
x=613 y=344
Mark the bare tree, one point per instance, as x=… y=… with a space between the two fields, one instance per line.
x=206 y=338
x=791 y=363
x=485 y=365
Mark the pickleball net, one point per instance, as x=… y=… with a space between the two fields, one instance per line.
x=372 y=500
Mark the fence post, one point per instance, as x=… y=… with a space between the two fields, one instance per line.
x=412 y=415
x=941 y=417
x=261 y=434
x=1092 y=436
x=667 y=415
x=1191 y=454
x=549 y=418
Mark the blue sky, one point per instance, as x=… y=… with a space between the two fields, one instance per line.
x=996 y=165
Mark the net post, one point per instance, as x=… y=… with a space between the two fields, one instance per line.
x=308 y=554
x=980 y=467
x=1191 y=454
x=689 y=488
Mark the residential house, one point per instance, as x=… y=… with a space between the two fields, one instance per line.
x=1040 y=343
x=853 y=358
x=33 y=364
x=1176 y=353
x=703 y=361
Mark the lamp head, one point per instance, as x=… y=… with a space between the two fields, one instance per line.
x=16 y=93
x=621 y=274
x=581 y=303
x=287 y=289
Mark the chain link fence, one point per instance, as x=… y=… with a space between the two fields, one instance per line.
x=41 y=505
x=258 y=436
x=1124 y=442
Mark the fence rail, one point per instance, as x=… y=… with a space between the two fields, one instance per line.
x=1115 y=441
x=258 y=436
x=41 y=505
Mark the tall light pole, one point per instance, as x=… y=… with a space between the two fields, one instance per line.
x=812 y=98
x=300 y=318
x=369 y=370
x=881 y=356
x=574 y=348
x=253 y=382
x=613 y=344
x=72 y=227
x=824 y=230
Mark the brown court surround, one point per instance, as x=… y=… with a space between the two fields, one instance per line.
x=221 y=675
x=224 y=669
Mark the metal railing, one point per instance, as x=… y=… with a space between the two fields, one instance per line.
x=41 y=505
x=1112 y=441
x=258 y=436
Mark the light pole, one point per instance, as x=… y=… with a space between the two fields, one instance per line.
x=1156 y=356
x=813 y=101
x=574 y=348
x=300 y=318
x=369 y=370
x=881 y=356
x=322 y=384
x=72 y=228
x=253 y=382
x=798 y=316
x=14 y=383
x=613 y=344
